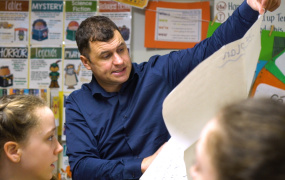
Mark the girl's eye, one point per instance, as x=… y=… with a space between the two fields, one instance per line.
x=51 y=137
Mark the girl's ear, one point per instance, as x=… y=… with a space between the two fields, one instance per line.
x=13 y=151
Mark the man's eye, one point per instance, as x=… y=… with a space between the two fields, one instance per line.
x=121 y=50
x=106 y=56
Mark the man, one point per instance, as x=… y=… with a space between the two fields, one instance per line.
x=114 y=124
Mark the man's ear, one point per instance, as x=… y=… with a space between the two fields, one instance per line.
x=85 y=61
x=13 y=151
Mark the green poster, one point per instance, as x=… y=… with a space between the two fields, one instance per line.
x=212 y=28
x=267 y=44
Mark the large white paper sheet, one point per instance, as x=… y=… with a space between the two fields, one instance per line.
x=224 y=77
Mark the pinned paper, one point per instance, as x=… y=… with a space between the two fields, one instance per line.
x=267 y=44
x=172 y=25
x=271 y=92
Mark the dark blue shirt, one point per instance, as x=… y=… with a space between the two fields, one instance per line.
x=109 y=134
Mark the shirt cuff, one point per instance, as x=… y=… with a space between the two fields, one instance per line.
x=247 y=13
x=132 y=168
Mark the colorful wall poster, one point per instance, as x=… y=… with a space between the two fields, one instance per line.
x=212 y=28
x=276 y=66
x=14 y=67
x=224 y=8
x=74 y=72
x=14 y=18
x=259 y=66
x=75 y=13
x=269 y=47
x=176 y=25
x=45 y=67
x=43 y=93
x=46 y=22
x=120 y=14
x=65 y=173
x=270 y=81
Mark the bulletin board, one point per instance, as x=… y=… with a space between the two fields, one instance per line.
x=151 y=21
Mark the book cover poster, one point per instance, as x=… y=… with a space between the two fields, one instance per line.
x=46 y=22
x=14 y=21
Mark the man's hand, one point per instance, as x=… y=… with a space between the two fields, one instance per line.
x=148 y=160
x=262 y=5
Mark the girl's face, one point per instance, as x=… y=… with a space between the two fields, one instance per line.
x=40 y=151
x=203 y=168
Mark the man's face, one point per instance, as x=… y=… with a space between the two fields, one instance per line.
x=110 y=62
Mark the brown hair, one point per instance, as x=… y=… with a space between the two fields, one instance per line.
x=17 y=117
x=249 y=143
x=95 y=28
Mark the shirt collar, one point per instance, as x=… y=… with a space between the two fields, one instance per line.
x=97 y=90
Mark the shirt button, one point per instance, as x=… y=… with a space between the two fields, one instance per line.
x=125 y=116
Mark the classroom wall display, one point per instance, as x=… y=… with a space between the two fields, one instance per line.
x=120 y=14
x=34 y=24
x=176 y=25
x=276 y=66
x=14 y=67
x=43 y=93
x=75 y=13
x=270 y=80
x=269 y=44
x=14 y=16
x=75 y=74
x=46 y=22
x=224 y=8
x=65 y=173
x=212 y=28
x=45 y=67
x=268 y=86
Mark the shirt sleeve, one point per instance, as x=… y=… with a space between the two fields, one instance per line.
x=84 y=158
x=180 y=63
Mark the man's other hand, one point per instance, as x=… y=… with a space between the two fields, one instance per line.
x=262 y=5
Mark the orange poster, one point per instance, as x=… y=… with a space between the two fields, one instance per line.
x=173 y=25
x=265 y=77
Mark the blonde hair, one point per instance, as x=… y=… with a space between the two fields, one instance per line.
x=17 y=117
